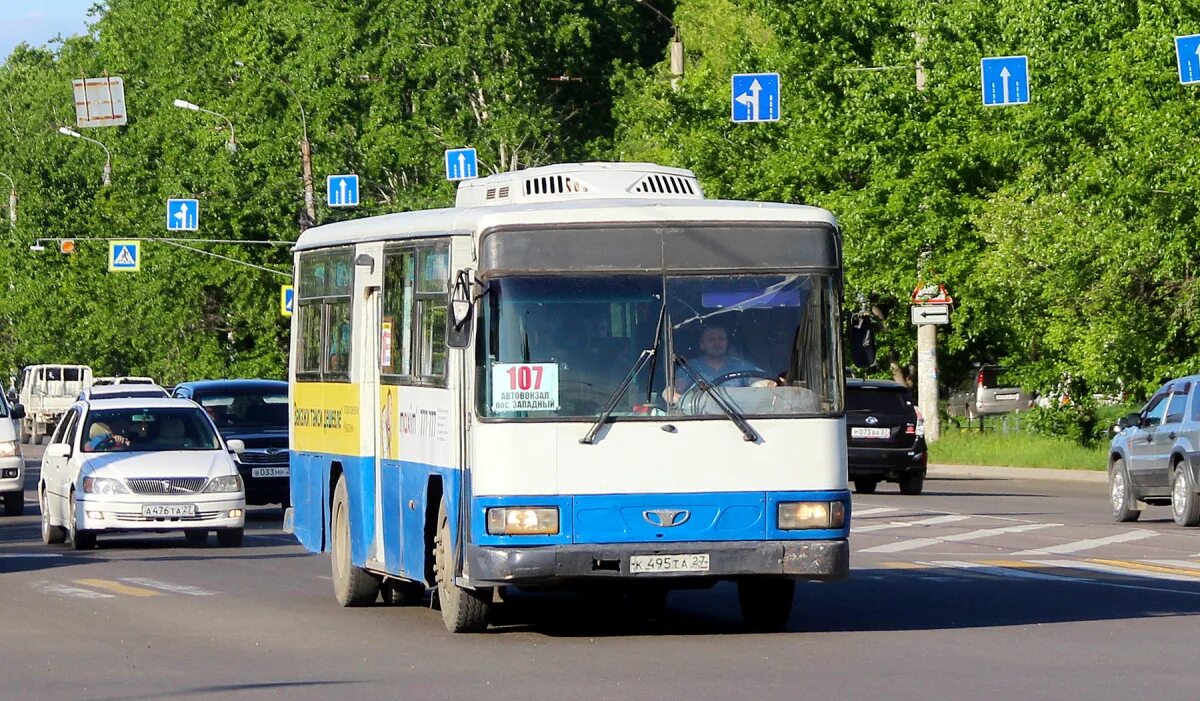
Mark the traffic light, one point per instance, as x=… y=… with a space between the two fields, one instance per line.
x=66 y=246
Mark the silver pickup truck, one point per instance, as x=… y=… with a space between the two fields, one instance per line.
x=47 y=391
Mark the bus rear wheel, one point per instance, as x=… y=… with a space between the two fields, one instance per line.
x=766 y=602
x=463 y=610
x=352 y=586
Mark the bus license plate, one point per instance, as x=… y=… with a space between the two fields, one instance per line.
x=692 y=562
x=268 y=472
x=863 y=432
x=169 y=510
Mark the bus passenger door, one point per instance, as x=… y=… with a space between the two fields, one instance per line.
x=371 y=353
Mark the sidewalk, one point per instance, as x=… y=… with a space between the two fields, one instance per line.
x=1028 y=473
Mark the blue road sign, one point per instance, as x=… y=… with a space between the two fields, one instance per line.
x=755 y=97
x=461 y=164
x=125 y=256
x=183 y=215
x=1005 y=80
x=342 y=190
x=287 y=300
x=1187 y=53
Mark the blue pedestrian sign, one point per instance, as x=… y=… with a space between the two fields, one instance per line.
x=341 y=190
x=755 y=97
x=1187 y=52
x=125 y=256
x=1005 y=80
x=461 y=164
x=287 y=300
x=183 y=215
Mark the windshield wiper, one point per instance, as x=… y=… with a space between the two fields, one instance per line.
x=644 y=357
x=747 y=432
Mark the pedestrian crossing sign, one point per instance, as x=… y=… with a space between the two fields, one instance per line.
x=125 y=256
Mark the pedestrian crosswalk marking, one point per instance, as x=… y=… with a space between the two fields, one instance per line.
x=185 y=589
x=117 y=587
x=1089 y=544
x=873 y=511
x=75 y=592
x=1186 y=572
x=916 y=543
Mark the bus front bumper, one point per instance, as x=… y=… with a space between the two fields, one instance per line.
x=797 y=559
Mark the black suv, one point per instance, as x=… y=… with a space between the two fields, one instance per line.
x=255 y=412
x=885 y=436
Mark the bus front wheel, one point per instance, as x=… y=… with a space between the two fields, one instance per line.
x=766 y=602
x=463 y=610
x=352 y=586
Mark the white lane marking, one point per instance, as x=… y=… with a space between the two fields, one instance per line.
x=870 y=512
x=168 y=586
x=915 y=543
x=1089 y=544
x=1000 y=571
x=935 y=520
x=20 y=555
x=879 y=527
x=75 y=592
x=1114 y=569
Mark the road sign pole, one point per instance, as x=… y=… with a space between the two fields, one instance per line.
x=927 y=386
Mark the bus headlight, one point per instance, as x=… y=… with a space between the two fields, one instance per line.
x=525 y=520
x=800 y=515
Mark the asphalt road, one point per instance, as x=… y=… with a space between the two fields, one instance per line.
x=999 y=588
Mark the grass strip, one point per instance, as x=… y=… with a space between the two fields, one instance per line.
x=1014 y=449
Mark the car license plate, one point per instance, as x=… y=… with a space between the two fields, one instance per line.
x=268 y=472
x=1009 y=395
x=169 y=510
x=691 y=562
x=864 y=432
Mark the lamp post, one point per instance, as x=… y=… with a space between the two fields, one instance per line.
x=12 y=202
x=305 y=147
x=676 y=44
x=231 y=145
x=66 y=131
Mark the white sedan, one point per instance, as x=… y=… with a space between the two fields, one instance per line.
x=140 y=464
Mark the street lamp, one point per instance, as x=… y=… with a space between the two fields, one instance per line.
x=231 y=145
x=12 y=202
x=305 y=147
x=66 y=131
x=676 y=44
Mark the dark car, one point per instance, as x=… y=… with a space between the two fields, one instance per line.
x=884 y=436
x=255 y=412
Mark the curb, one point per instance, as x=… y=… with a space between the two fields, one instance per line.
x=1031 y=473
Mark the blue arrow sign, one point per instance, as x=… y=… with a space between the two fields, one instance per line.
x=754 y=97
x=461 y=164
x=183 y=215
x=341 y=190
x=1187 y=53
x=1005 y=80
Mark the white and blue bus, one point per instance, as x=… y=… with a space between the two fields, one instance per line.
x=580 y=374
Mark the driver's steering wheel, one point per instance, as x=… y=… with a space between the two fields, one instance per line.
x=692 y=393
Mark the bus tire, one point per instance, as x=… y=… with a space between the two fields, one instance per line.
x=463 y=610
x=766 y=602
x=352 y=586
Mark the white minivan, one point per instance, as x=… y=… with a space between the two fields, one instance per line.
x=12 y=462
x=140 y=464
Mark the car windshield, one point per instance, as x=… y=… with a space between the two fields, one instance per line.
x=559 y=347
x=878 y=400
x=136 y=429
x=250 y=408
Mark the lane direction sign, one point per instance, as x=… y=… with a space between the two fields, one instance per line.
x=923 y=314
x=461 y=164
x=342 y=190
x=1187 y=55
x=754 y=97
x=287 y=300
x=1005 y=80
x=124 y=256
x=183 y=215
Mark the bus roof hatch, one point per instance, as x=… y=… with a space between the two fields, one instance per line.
x=572 y=181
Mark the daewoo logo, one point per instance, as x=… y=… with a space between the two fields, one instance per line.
x=666 y=518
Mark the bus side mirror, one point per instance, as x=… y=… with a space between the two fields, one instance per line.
x=461 y=310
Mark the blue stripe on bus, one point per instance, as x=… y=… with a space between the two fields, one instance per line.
x=627 y=518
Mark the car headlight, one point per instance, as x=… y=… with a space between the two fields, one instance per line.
x=524 y=520
x=800 y=515
x=104 y=485
x=224 y=483
x=10 y=449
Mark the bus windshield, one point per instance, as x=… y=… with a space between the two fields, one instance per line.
x=559 y=347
